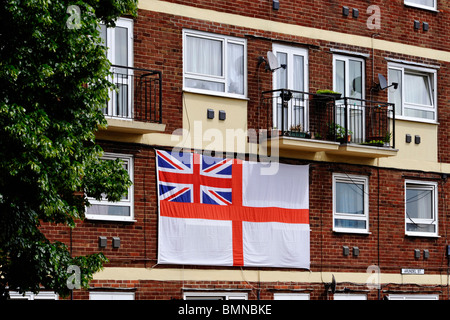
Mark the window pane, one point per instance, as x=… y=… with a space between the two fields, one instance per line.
x=340 y=77
x=420 y=227
x=355 y=77
x=395 y=95
x=121 y=46
x=419 y=113
x=349 y=198
x=351 y=224
x=299 y=73
x=428 y=3
x=109 y=210
x=235 y=68
x=417 y=89
x=419 y=204
x=204 y=56
x=103 y=34
x=205 y=85
x=281 y=72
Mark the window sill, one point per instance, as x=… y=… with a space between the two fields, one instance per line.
x=402 y=118
x=109 y=219
x=410 y=5
x=422 y=235
x=216 y=94
x=363 y=233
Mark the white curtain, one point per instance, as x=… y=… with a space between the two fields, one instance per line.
x=349 y=198
x=417 y=89
x=428 y=3
x=204 y=56
x=419 y=204
x=235 y=68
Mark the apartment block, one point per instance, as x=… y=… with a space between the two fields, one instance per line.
x=257 y=81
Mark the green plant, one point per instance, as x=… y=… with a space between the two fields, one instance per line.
x=54 y=84
x=338 y=130
x=387 y=137
x=326 y=91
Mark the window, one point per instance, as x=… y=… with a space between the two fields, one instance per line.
x=349 y=296
x=413 y=297
x=421 y=208
x=348 y=79
x=424 y=4
x=415 y=97
x=97 y=295
x=215 y=296
x=291 y=296
x=119 y=41
x=42 y=295
x=214 y=63
x=350 y=203
x=293 y=77
x=117 y=211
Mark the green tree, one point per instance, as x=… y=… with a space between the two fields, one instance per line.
x=53 y=85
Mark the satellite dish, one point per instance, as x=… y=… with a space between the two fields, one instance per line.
x=383 y=83
x=333 y=284
x=271 y=62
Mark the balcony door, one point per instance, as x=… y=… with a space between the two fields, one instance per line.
x=293 y=112
x=120 y=53
x=348 y=79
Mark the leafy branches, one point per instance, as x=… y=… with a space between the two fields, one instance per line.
x=53 y=86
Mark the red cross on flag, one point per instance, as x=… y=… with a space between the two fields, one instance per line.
x=227 y=212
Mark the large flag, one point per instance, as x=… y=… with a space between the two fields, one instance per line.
x=227 y=212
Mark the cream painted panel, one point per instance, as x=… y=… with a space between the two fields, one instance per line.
x=412 y=155
x=186 y=274
x=199 y=132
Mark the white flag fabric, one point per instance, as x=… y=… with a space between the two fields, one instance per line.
x=225 y=212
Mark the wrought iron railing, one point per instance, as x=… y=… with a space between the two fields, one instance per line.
x=331 y=118
x=137 y=95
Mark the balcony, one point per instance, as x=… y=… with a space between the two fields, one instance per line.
x=302 y=121
x=135 y=106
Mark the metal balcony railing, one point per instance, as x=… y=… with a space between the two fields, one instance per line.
x=331 y=118
x=137 y=95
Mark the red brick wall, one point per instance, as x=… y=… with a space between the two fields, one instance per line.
x=386 y=245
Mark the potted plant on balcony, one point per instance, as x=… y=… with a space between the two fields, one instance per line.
x=297 y=131
x=336 y=131
x=387 y=139
x=329 y=93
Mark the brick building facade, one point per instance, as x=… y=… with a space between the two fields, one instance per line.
x=401 y=189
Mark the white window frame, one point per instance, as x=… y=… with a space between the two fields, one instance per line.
x=125 y=202
x=411 y=3
x=405 y=297
x=217 y=79
x=355 y=106
x=346 y=59
x=433 y=187
x=42 y=295
x=216 y=295
x=127 y=78
x=291 y=52
x=351 y=179
x=349 y=296
x=432 y=82
x=291 y=296
x=111 y=295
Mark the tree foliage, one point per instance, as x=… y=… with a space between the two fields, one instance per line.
x=53 y=86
